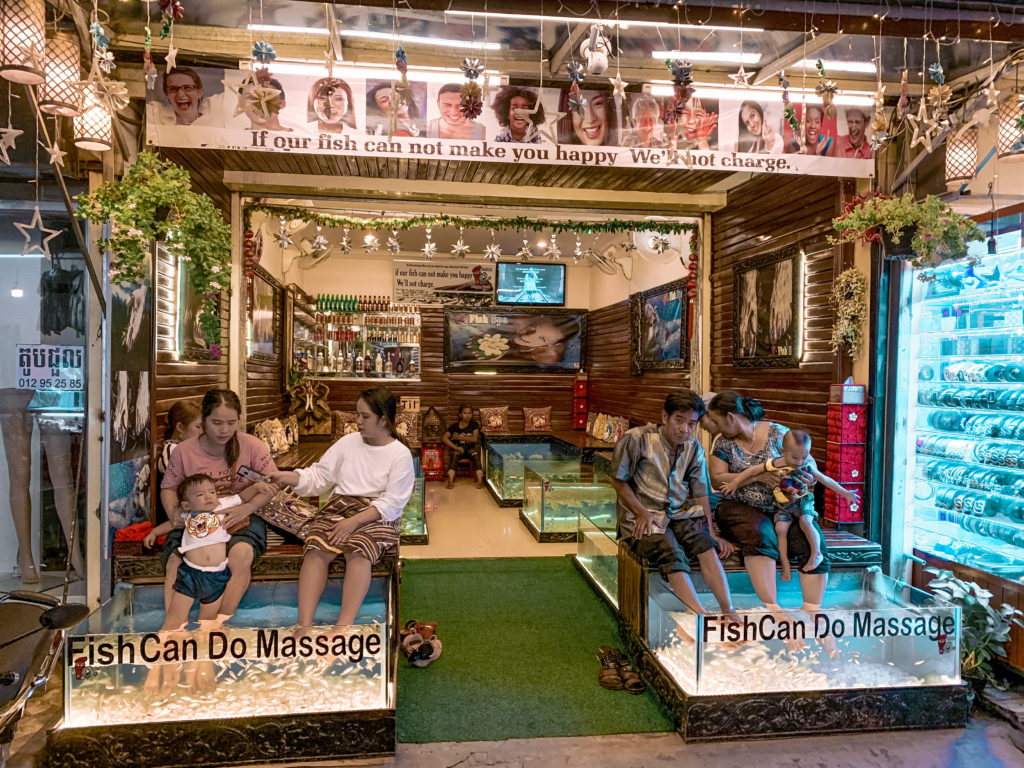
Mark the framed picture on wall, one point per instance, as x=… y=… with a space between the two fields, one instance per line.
x=524 y=340
x=264 y=316
x=658 y=322
x=767 y=317
x=191 y=341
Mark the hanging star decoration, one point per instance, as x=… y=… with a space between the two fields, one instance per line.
x=172 y=11
x=56 y=153
x=45 y=235
x=149 y=68
x=263 y=97
x=552 y=252
x=114 y=93
x=991 y=96
x=550 y=129
x=283 y=238
x=7 y=137
x=577 y=253
x=741 y=79
x=660 y=242
x=682 y=77
x=172 y=57
x=878 y=139
x=618 y=87
x=628 y=245
x=471 y=68
x=525 y=251
x=345 y=246
x=370 y=243
x=241 y=91
x=940 y=93
x=924 y=129
x=575 y=71
x=394 y=244
x=577 y=103
x=878 y=121
x=429 y=247
x=492 y=252
x=460 y=250
x=471 y=103
x=903 y=105
x=826 y=90
x=319 y=242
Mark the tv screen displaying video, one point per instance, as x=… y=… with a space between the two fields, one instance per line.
x=539 y=285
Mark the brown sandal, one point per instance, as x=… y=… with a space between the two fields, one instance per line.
x=630 y=680
x=608 y=676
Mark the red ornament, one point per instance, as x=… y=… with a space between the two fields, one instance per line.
x=250 y=234
x=692 y=285
x=691 y=294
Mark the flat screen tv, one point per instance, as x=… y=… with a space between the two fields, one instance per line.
x=536 y=285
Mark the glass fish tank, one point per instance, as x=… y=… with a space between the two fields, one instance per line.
x=120 y=668
x=871 y=632
x=505 y=464
x=414 y=521
x=597 y=549
x=557 y=490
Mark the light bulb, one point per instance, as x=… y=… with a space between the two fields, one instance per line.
x=17 y=292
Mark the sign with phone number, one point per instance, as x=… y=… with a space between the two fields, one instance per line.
x=51 y=366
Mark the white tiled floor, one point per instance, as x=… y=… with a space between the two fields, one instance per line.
x=464 y=521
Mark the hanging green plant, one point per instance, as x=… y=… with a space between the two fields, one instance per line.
x=939 y=233
x=152 y=203
x=849 y=299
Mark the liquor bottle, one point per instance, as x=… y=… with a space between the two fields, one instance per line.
x=378 y=364
x=399 y=367
x=346 y=362
x=357 y=364
x=319 y=362
x=388 y=366
x=368 y=364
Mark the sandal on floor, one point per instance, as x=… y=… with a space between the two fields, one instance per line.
x=408 y=637
x=608 y=675
x=427 y=629
x=630 y=680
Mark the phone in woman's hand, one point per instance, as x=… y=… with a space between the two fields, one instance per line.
x=247 y=473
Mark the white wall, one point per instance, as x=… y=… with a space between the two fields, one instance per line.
x=611 y=289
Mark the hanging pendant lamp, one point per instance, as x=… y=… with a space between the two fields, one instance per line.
x=58 y=94
x=961 y=157
x=93 y=126
x=22 y=41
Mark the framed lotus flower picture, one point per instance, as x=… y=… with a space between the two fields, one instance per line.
x=524 y=340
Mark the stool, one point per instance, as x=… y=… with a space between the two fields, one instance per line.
x=464 y=468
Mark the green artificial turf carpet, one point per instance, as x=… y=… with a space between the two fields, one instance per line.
x=519 y=659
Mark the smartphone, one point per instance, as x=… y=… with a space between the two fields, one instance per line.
x=252 y=475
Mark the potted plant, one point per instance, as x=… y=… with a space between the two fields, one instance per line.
x=984 y=628
x=928 y=232
x=849 y=299
x=154 y=202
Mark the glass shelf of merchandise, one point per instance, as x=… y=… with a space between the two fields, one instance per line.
x=871 y=632
x=371 y=344
x=960 y=412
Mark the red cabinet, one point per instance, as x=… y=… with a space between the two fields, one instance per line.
x=432 y=460
x=846 y=459
x=579 y=401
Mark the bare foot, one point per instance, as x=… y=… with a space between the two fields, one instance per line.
x=786 y=573
x=172 y=676
x=450 y=483
x=29 y=574
x=301 y=631
x=813 y=562
x=206 y=676
x=152 y=684
x=828 y=644
x=685 y=636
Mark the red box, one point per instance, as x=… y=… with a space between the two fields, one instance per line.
x=432 y=461
x=839 y=511
x=846 y=462
x=579 y=388
x=579 y=421
x=847 y=423
x=579 y=405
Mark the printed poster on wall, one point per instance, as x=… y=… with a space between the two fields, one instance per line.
x=345 y=115
x=438 y=283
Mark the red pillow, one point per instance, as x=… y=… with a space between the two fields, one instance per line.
x=537 y=419
x=494 y=419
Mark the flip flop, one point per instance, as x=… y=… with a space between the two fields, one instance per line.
x=408 y=637
x=427 y=652
x=608 y=675
x=630 y=680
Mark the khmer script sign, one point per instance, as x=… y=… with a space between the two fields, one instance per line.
x=51 y=366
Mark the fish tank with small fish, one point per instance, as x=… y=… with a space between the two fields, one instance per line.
x=120 y=668
x=556 y=490
x=414 y=521
x=597 y=550
x=871 y=632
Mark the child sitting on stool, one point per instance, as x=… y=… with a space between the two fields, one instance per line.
x=793 y=498
x=463 y=441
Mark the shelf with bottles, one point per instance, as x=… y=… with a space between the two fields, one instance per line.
x=367 y=361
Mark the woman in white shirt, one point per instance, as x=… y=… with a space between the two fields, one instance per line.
x=370 y=473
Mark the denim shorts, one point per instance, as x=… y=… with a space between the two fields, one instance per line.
x=207 y=586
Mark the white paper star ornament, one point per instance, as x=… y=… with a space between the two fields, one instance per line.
x=618 y=86
x=56 y=154
x=550 y=129
x=44 y=242
x=741 y=79
x=172 y=57
x=7 y=137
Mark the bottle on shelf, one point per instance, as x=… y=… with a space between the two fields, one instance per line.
x=399 y=366
x=346 y=361
x=378 y=364
x=388 y=366
x=368 y=364
x=357 y=364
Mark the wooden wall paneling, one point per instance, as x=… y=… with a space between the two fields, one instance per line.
x=752 y=224
x=612 y=388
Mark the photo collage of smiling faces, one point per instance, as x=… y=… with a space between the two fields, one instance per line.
x=305 y=105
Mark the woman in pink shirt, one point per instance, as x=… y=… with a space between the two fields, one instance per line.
x=218 y=452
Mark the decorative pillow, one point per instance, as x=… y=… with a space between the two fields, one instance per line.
x=345 y=423
x=537 y=419
x=494 y=419
x=620 y=429
x=611 y=423
x=261 y=433
x=591 y=418
x=600 y=424
x=408 y=426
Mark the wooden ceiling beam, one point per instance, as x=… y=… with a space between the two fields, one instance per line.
x=911 y=19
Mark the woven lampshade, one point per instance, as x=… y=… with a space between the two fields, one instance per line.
x=58 y=95
x=22 y=41
x=93 y=126
x=1007 y=133
x=961 y=157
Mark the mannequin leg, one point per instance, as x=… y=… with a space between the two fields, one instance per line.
x=17 y=436
x=57 y=445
